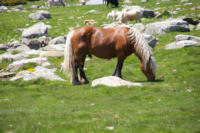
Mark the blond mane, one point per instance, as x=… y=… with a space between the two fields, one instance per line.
x=142 y=49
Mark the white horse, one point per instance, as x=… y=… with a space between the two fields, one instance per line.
x=128 y=15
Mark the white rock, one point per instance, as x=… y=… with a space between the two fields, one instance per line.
x=39 y=72
x=113 y=81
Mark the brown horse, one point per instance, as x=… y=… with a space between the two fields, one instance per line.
x=106 y=43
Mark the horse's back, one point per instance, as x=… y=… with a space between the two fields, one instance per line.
x=102 y=42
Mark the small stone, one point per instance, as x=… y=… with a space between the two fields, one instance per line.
x=110 y=128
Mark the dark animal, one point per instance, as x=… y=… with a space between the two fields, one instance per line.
x=112 y=2
x=106 y=43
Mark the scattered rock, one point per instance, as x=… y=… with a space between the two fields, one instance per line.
x=148 y=13
x=3 y=47
x=38 y=72
x=198 y=27
x=113 y=81
x=38 y=15
x=6 y=74
x=187 y=37
x=34 y=7
x=184 y=0
x=188 y=4
x=168 y=25
x=182 y=44
x=110 y=128
x=93 y=12
x=144 y=1
x=56 y=3
x=52 y=54
x=139 y=26
x=3 y=8
x=37 y=30
x=58 y=40
x=158 y=15
x=57 y=47
x=16 y=65
x=151 y=40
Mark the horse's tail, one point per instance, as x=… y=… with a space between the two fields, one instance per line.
x=69 y=62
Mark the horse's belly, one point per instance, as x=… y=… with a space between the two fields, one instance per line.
x=103 y=53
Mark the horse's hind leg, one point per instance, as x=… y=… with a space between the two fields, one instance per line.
x=75 y=78
x=82 y=76
x=118 y=69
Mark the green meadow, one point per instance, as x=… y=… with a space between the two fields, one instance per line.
x=171 y=104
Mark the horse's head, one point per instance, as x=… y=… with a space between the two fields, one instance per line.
x=150 y=70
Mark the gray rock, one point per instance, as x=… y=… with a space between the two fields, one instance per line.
x=22 y=48
x=151 y=40
x=16 y=65
x=14 y=44
x=34 y=7
x=57 y=47
x=182 y=44
x=6 y=74
x=187 y=37
x=3 y=47
x=58 y=40
x=148 y=13
x=113 y=81
x=38 y=15
x=3 y=9
x=37 y=30
x=168 y=25
x=38 y=72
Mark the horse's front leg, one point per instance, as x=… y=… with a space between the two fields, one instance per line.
x=118 y=69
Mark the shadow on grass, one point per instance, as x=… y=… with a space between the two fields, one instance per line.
x=157 y=80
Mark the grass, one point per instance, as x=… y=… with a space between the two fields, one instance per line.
x=171 y=104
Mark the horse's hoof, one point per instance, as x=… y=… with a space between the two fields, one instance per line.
x=76 y=83
x=83 y=81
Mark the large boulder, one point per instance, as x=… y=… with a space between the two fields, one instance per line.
x=38 y=72
x=168 y=25
x=113 y=81
x=38 y=15
x=37 y=30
